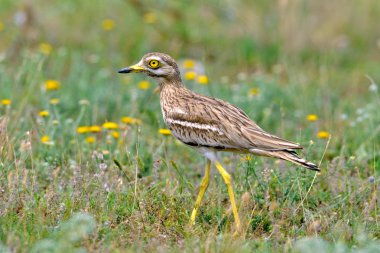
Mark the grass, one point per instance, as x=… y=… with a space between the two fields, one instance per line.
x=131 y=188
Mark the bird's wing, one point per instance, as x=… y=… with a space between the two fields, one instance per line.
x=204 y=121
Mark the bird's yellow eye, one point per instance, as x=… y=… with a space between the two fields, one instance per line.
x=154 y=64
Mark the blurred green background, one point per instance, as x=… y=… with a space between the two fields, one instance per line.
x=305 y=70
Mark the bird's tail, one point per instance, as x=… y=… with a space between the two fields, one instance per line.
x=288 y=155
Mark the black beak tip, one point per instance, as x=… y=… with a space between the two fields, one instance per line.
x=124 y=71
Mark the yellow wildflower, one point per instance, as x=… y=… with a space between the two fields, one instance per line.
x=115 y=134
x=54 y=101
x=45 y=48
x=6 y=102
x=90 y=139
x=312 y=117
x=131 y=121
x=110 y=125
x=83 y=129
x=1 y=26
x=203 y=79
x=45 y=139
x=190 y=75
x=108 y=24
x=144 y=85
x=52 y=85
x=149 y=18
x=94 y=129
x=44 y=113
x=164 y=131
x=254 y=91
x=188 y=64
x=323 y=134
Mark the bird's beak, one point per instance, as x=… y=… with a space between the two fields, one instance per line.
x=132 y=69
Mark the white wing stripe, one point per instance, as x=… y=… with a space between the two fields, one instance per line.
x=194 y=125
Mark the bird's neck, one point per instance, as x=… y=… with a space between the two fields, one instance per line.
x=172 y=83
x=170 y=96
x=171 y=91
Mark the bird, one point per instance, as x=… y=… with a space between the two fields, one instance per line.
x=210 y=125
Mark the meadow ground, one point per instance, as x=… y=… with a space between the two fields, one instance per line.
x=87 y=165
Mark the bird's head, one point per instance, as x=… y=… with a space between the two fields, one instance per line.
x=157 y=65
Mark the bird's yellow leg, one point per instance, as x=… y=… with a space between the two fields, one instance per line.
x=227 y=180
x=203 y=188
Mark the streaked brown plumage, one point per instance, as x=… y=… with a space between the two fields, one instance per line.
x=210 y=124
